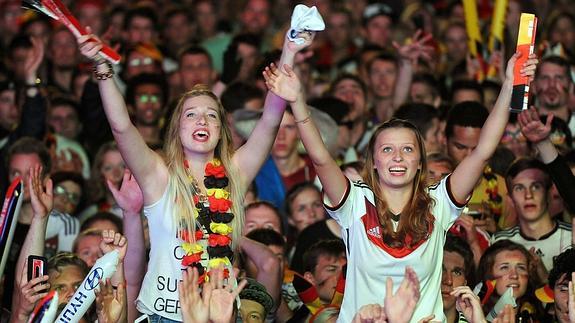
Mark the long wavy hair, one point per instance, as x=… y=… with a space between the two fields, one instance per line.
x=180 y=187
x=416 y=216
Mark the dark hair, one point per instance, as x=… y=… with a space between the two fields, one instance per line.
x=420 y=114
x=270 y=206
x=485 y=268
x=140 y=11
x=64 y=101
x=178 y=10
x=470 y=85
x=523 y=164
x=329 y=248
x=268 y=237
x=429 y=80
x=103 y=216
x=557 y=60
x=438 y=157
x=455 y=244
x=385 y=57
x=416 y=216
x=64 y=259
x=29 y=145
x=21 y=40
x=559 y=129
x=501 y=159
x=146 y=79
x=238 y=93
x=348 y=76
x=485 y=272
x=194 y=50
x=465 y=114
x=334 y=107
x=564 y=263
x=294 y=191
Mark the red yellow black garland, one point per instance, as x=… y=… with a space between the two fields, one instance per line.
x=213 y=214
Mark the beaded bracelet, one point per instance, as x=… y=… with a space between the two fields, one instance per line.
x=100 y=76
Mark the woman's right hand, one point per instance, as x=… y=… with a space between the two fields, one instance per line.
x=90 y=45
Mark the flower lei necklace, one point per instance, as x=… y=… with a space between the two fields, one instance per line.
x=213 y=215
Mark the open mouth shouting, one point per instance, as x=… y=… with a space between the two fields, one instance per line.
x=201 y=135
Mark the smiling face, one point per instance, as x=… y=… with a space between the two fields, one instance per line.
x=396 y=157
x=511 y=269
x=200 y=125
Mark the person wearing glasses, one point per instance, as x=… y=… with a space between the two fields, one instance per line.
x=146 y=97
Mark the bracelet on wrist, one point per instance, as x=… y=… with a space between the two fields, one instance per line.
x=304 y=120
x=100 y=76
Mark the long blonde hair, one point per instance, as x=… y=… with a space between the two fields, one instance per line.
x=180 y=188
x=416 y=216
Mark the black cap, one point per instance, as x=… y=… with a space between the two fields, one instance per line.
x=256 y=292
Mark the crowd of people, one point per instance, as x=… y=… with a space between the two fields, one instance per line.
x=247 y=170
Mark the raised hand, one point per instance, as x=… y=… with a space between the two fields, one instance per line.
x=528 y=68
x=30 y=293
x=399 y=307
x=468 y=224
x=370 y=313
x=33 y=60
x=469 y=304
x=222 y=296
x=308 y=37
x=114 y=241
x=90 y=45
x=110 y=306
x=532 y=127
x=195 y=305
x=283 y=84
x=129 y=197
x=416 y=48
x=42 y=200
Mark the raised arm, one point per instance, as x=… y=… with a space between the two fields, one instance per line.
x=287 y=85
x=147 y=166
x=538 y=133
x=42 y=200
x=409 y=54
x=268 y=265
x=129 y=198
x=251 y=156
x=467 y=173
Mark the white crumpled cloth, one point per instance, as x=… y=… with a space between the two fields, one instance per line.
x=304 y=18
